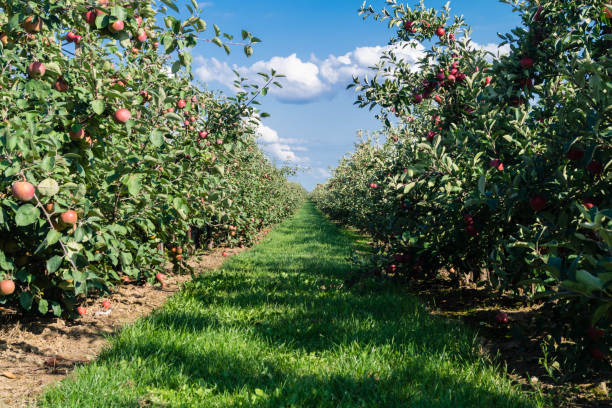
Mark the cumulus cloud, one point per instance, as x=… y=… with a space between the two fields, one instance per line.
x=277 y=147
x=307 y=80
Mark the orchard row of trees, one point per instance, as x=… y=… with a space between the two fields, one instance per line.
x=112 y=162
x=495 y=169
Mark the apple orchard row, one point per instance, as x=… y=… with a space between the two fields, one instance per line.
x=495 y=169
x=114 y=164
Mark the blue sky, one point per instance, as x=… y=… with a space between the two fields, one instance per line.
x=318 y=44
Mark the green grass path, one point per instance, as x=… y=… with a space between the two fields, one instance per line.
x=273 y=328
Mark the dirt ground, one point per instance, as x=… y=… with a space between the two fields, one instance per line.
x=517 y=343
x=36 y=352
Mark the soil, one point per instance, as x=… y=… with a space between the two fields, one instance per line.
x=516 y=344
x=36 y=352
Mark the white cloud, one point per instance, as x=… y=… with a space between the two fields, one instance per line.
x=307 y=81
x=320 y=171
x=493 y=48
x=277 y=147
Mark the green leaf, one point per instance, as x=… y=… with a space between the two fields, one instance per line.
x=48 y=187
x=27 y=214
x=25 y=299
x=54 y=263
x=43 y=306
x=156 y=138
x=126 y=258
x=52 y=237
x=482 y=183
x=98 y=106
x=170 y=4
x=57 y=309
x=134 y=184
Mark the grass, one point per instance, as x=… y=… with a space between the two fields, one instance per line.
x=274 y=328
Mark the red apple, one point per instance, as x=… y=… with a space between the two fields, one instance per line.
x=594 y=334
x=203 y=134
x=60 y=85
x=106 y=304
x=588 y=203
x=470 y=229
x=496 y=163
x=219 y=141
x=501 y=317
x=117 y=26
x=160 y=277
x=24 y=191
x=70 y=37
x=440 y=32
x=7 y=287
x=527 y=62
x=81 y=311
x=181 y=104
x=90 y=17
x=537 y=203
x=224 y=254
x=69 y=217
x=122 y=115
x=597 y=354
x=36 y=69
x=418 y=98
x=77 y=39
x=139 y=21
x=575 y=154
x=488 y=80
x=77 y=133
x=142 y=37
x=594 y=167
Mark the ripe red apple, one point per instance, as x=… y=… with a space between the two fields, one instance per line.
x=373 y=185
x=575 y=154
x=90 y=17
x=106 y=304
x=24 y=191
x=194 y=99
x=594 y=167
x=117 y=26
x=440 y=32
x=32 y=24
x=537 y=203
x=527 y=62
x=77 y=39
x=36 y=69
x=431 y=135
x=69 y=217
x=597 y=354
x=203 y=134
x=219 y=141
x=139 y=21
x=451 y=36
x=488 y=80
x=156 y=44
x=70 y=37
x=77 y=133
x=594 y=334
x=60 y=85
x=418 y=98
x=181 y=104
x=122 y=115
x=470 y=229
x=588 y=203
x=160 y=277
x=142 y=37
x=7 y=287
x=468 y=219
x=501 y=317
x=81 y=311
x=496 y=163
x=224 y=254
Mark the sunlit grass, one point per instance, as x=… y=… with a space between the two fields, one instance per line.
x=274 y=328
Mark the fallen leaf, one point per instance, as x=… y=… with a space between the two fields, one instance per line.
x=9 y=375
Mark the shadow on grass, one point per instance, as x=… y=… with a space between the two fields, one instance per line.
x=277 y=319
